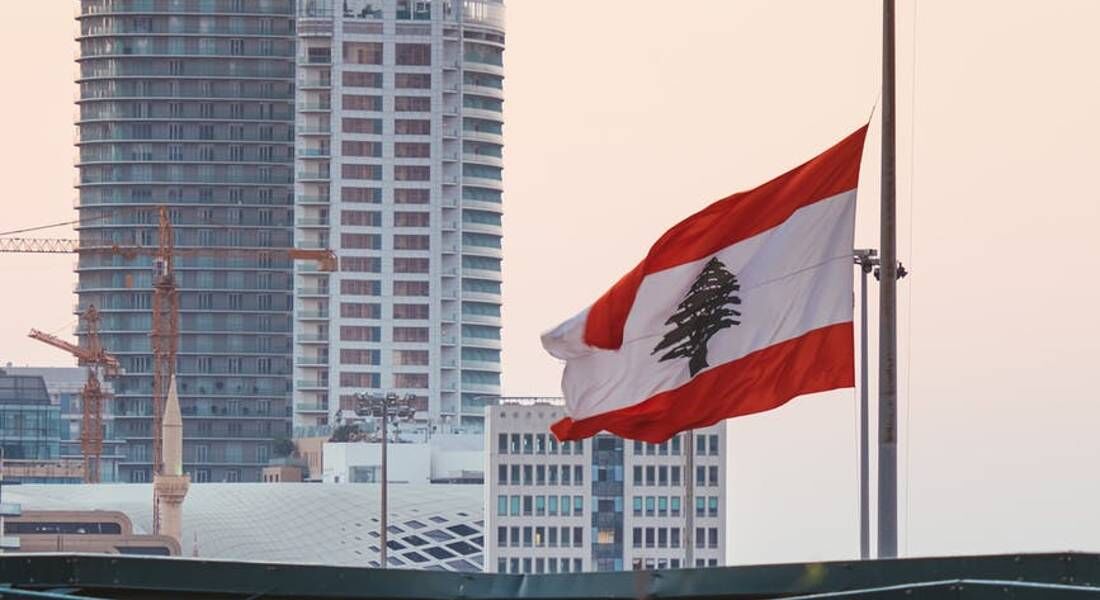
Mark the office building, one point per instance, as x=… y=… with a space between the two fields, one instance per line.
x=399 y=145
x=189 y=104
x=30 y=434
x=601 y=504
x=64 y=386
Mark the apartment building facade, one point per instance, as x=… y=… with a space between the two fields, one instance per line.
x=399 y=145
x=601 y=504
x=189 y=104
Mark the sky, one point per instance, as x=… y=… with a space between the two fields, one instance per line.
x=624 y=117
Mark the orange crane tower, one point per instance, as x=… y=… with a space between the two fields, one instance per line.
x=100 y=364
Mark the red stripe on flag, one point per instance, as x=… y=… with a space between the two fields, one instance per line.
x=817 y=361
x=724 y=223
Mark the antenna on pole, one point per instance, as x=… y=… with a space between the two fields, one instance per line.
x=888 y=341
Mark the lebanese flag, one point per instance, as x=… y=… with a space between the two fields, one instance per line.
x=735 y=310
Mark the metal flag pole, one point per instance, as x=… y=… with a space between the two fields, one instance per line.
x=689 y=500
x=888 y=342
x=867 y=260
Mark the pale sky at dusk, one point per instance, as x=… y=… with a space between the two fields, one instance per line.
x=624 y=117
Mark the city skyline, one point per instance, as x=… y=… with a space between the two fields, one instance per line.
x=653 y=113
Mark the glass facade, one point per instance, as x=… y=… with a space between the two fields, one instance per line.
x=30 y=427
x=607 y=503
x=189 y=104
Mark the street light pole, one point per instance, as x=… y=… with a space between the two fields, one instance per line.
x=370 y=405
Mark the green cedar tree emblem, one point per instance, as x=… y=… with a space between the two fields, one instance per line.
x=704 y=311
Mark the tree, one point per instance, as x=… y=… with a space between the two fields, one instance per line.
x=703 y=312
x=283 y=447
x=345 y=433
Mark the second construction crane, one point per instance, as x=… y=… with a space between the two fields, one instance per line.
x=92 y=397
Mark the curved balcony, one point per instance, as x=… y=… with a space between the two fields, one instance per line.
x=481 y=319
x=488 y=228
x=484 y=136
x=482 y=274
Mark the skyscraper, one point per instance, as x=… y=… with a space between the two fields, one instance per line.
x=399 y=123
x=189 y=104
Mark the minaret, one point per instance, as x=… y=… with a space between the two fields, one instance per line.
x=170 y=486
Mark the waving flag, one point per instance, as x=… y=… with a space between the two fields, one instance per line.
x=735 y=310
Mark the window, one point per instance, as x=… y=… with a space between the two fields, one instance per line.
x=410 y=358
x=565 y=475
x=411 y=288
x=502 y=506
x=410 y=265
x=637 y=504
x=675 y=472
x=361 y=264
x=650 y=474
x=662 y=537
x=650 y=506
x=354 y=333
x=649 y=541
x=565 y=536
x=411 y=242
x=713 y=444
x=540 y=443
x=662 y=506
x=540 y=505
x=358 y=194
x=411 y=219
x=551 y=472
x=412 y=81
x=700 y=506
x=361 y=172
x=528 y=534
x=514 y=449
x=552 y=506
x=552 y=541
x=368 y=380
x=412 y=150
x=662 y=475
x=638 y=479
x=578 y=505
x=674 y=538
x=411 y=173
x=712 y=473
x=410 y=126
x=700 y=476
x=578 y=538
x=411 y=196
x=566 y=506
x=514 y=501
x=528 y=506
x=540 y=475
x=361 y=241
x=349 y=356
x=412 y=104
x=410 y=311
x=353 y=310
x=352 y=125
x=712 y=537
x=357 y=148
x=360 y=102
x=410 y=380
x=413 y=54
x=360 y=287
x=362 y=218
x=578 y=475
x=502 y=445
x=674 y=506
x=359 y=79
x=700 y=445
x=363 y=53
x=410 y=334
x=712 y=506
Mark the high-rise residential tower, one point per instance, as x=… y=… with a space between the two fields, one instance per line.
x=399 y=118
x=189 y=104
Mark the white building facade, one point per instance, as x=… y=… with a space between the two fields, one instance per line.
x=602 y=504
x=398 y=170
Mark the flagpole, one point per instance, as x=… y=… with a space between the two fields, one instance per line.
x=866 y=260
x=887 y=376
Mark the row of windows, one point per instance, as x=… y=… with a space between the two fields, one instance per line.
x=540 y=537
x=541 y=565
x=669 y=506
x=539 y=475
x=539 y=506
x=664 y=475
x=704 y=445
x=358 y=333
x=540 y=443
x=648 y=564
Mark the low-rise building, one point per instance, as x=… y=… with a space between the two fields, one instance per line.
x=601 y=504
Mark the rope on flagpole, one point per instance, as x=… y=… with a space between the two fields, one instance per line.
x=909 y=291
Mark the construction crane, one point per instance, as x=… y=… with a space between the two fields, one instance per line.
x=165 y=329
x=92 y=397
